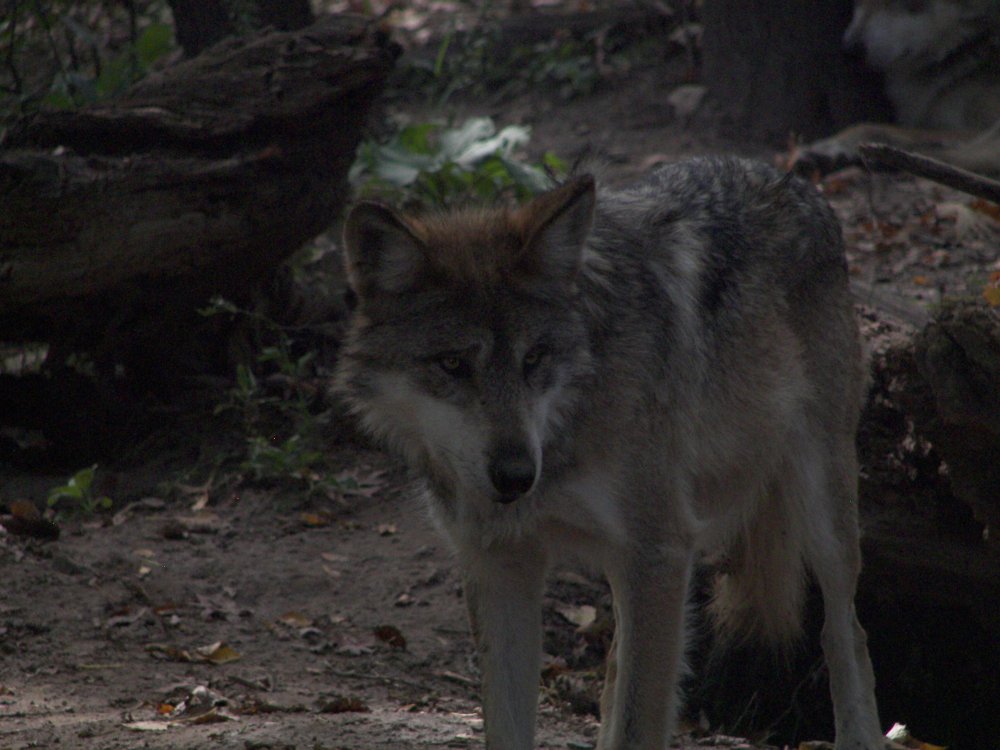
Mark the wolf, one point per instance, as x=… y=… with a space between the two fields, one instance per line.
x=634 y=378
x=940 y=60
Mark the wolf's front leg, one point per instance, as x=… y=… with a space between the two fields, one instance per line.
x=650 y=591
x=503 y=591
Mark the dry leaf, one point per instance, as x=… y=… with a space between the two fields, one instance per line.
x=217 y=653
x=24 y=509
x=582 y=616
x=353 y=648
x=295 y=620
x=213 y=609
x=323 y=518
x=989 y=208
x=991 y=292
x=899 y=737
x=26 y=520
x=340 y=704
x=213 y=715
x=147 y=726
x=391 y=635
x=937 y=259
x=198 y=494
x=201 y=522
x=461 y=679
x=125 y=618
x=358 y=482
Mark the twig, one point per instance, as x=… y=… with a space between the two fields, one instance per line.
x=18 y=86
x=932 y=169
x=897 y=307
x=44 y=20
x=376 y=677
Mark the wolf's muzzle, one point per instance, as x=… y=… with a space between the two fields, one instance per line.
x=512 y=471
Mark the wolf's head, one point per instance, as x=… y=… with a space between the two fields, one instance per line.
x=468 y=340
x=916 y=34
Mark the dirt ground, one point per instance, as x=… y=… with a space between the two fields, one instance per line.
x=222 y=616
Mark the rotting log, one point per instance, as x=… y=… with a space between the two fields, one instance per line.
x=929 y=593
x=958 y=356
x=118 y=220
x=937 y=389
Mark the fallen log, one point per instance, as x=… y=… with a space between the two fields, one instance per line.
x=120 y=219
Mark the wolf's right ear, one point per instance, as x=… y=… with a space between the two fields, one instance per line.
x=557 y=224
x=383 y=254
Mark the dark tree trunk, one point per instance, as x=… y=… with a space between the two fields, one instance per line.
x=776 y=68
x=286 y=15
x=201 y=23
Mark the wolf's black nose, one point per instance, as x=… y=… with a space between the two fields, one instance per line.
x=512 y=472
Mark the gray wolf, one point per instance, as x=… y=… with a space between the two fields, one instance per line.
x=941 y=63
x=633 y=378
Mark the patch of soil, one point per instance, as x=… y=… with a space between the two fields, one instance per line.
x=347 y=629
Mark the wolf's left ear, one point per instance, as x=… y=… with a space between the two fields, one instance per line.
x=557 y=224
x=383 y=254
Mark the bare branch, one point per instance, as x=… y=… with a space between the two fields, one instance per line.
x=932 y=169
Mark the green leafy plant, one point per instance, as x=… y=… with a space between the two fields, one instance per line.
x=79 y=494
x=271 y=458
x=478 y=62
x=77 y=86
x=430 y=164
x=282 y=435
x=65 y=53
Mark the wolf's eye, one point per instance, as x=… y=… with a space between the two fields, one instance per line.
x=532 y=359
x=454 y=365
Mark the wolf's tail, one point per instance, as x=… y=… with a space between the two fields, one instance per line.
x=759 y=591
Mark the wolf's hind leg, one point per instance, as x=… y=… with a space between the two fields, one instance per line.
x=833 y=554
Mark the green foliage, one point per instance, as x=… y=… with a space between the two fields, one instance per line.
x=282 y=436
x=61 y=54
x=481 y=66
x=269 y=459
x=78 y=493
x=430 y=164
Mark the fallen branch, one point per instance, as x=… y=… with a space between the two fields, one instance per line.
x=932 y=169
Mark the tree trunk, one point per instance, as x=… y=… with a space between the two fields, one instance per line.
x=776 y=68
x=121 y=219
x=201 y=23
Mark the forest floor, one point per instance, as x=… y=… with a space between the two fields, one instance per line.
x=207 y=612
